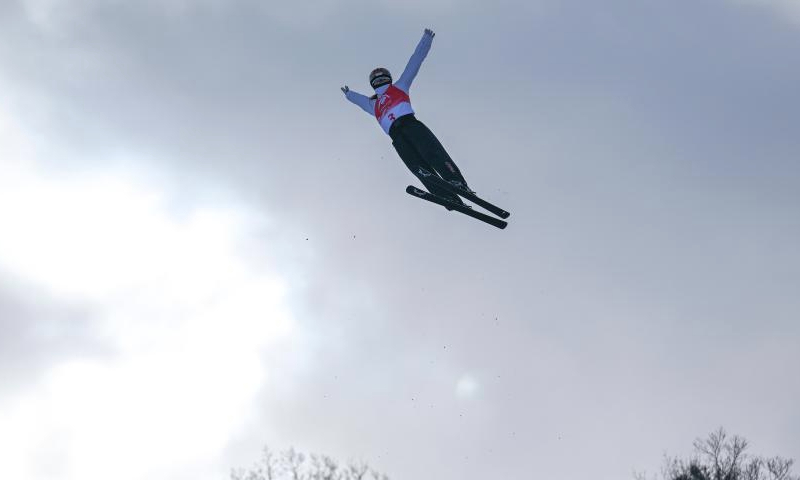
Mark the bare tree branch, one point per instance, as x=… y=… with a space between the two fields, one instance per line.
x=720 y=457
x=357 y=471
x=780 y=469
x=293 y=465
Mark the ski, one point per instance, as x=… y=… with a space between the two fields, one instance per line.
x=416 y=192
x=464 y=193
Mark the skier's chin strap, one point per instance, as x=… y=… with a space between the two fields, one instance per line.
x=381 y=89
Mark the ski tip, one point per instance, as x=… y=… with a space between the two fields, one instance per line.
x=415 y=191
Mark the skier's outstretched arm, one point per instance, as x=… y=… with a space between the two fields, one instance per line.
x=415 y=62
x=362 y=101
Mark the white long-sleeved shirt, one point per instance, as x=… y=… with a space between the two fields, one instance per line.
x=403 y=83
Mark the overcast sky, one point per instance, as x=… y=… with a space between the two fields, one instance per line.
x=205 y=249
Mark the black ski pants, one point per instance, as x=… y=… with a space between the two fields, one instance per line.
x=419 y=148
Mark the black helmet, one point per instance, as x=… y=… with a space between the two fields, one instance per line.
x=380 y=77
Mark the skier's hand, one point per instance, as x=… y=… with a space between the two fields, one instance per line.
x=429 y=32
x=345 y=89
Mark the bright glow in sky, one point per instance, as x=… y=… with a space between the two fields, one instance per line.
x=467 y=386
x=184 y=313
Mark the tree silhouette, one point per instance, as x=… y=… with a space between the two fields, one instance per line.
x=723 y=457
x=293 y=465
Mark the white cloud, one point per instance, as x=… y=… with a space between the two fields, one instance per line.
x=789 y=10
x=186 y=310
x=58 y=16
x=16 y=148
x=423 y=5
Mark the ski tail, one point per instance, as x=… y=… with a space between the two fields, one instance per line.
x=471 y=196
x=461 y=208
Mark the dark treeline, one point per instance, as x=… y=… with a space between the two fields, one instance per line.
x=723 y=457
x=293 y=465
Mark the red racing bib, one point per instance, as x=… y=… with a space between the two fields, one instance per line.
x=393 y=104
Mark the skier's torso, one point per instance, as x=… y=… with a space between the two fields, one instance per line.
x=390 y=105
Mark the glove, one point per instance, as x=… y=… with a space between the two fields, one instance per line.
x=345 y=89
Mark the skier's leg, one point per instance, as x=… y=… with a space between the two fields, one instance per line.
x=432 y=150
x=414 y=162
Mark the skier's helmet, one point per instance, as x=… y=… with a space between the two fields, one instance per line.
x=380 y=77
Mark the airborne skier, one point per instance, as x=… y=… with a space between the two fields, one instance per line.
x=417 y=146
